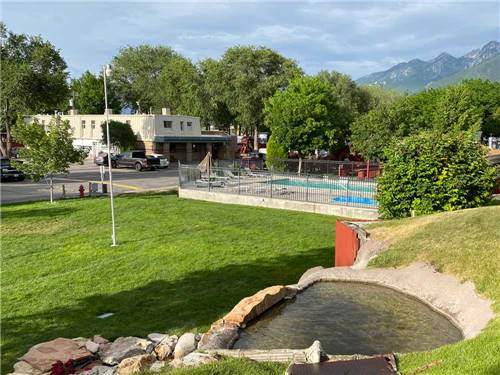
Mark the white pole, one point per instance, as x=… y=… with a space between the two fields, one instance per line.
x=113 y=235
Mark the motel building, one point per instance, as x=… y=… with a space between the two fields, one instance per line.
x=178 y=137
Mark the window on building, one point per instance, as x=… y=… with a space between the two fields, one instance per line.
x=182 y=125
x=189 y=123
x=83 y=124
x=167 y=124
x=92 y=124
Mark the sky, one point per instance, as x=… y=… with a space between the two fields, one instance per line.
x=356 y=38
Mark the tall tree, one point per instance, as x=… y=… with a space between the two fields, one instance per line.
x=34 y=79
x=180 y=86
x=88 y=93
x=214 y=110
x=136 y=75
x=377 y=96
x=349 y=94
x=46 y=152
x=305 y=117
x=250 y=75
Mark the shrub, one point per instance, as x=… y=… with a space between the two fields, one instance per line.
x=276 y=154
x=432 y=171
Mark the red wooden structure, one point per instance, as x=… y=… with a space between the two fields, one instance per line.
x=346 y=244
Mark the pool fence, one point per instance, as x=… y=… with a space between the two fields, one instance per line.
x=328 y=190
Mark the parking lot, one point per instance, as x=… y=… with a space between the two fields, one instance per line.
x=124 y=181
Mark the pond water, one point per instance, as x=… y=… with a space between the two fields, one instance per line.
x=350 y=318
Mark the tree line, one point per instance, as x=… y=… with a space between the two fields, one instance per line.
x=248 y=88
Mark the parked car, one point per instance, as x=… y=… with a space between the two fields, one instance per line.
x=102 y=159
x=8 y=173
x=135 y=159
x=164 y=163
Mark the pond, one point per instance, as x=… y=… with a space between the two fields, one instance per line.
x=350 y=318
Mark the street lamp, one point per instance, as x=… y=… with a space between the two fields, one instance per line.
x=106 y=71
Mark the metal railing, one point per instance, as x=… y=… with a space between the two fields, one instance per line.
x=325 y=189
x=308 y=166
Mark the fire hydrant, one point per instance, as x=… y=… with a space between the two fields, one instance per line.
x=81 y=189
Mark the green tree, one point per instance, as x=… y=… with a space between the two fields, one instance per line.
x=214 y=109
x=136 y=75
x=33 y=79
x=121 y=135
x=276 y=154
x=46 y=152
x=88 y=92
x=377 y=96
x=485 y=95
x=456 y=107
x=433 y=171
x=306 y=117
x=469 y=105
x=181 y=87
x=350 y=96
x=248 y=76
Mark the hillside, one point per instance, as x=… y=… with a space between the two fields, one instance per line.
x=487 y=70
x=465 y=244
x=417 y=74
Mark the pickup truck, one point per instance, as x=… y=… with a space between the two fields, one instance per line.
x=135 y=159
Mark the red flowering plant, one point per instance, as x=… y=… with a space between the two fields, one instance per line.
x=60 y=368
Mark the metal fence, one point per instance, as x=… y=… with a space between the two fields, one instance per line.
x=326 y=189
x=308 y=166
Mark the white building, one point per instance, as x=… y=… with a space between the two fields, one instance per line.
x=177 y=137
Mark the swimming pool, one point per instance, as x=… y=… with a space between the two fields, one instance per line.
x=342 y=185
x=357 y=200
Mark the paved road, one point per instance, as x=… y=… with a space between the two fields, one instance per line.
x=124 y=181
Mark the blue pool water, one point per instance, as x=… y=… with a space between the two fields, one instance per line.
x=358 y=200
x=364 y=188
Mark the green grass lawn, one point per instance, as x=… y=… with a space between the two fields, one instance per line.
x=462 y=243
x=180 y=265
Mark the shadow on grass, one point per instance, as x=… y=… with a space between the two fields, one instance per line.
x=49 y=211
x=173 y=306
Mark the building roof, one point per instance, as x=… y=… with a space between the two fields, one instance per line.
x=193 y=138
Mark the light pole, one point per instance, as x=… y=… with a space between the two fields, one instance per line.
x=106 y=70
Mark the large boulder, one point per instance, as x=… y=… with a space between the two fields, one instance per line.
x=100 y=340
x=91 y=346
x=157 y=337
x=133 y=365
x=251 y=307
x=315 y=353
x=220 y=336
x=157 y=366
x=42 y=356
x=125 y=347
x=165 y=349
x=186 y=344
x=23 y=367
x=194 y=359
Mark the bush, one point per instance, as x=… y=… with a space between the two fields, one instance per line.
x=121 y=135
x=276 y=154
x=432 y=171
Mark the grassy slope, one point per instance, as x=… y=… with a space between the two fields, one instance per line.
x=180 y=265
x=465 y=244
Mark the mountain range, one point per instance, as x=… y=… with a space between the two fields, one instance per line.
x=445 y=69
